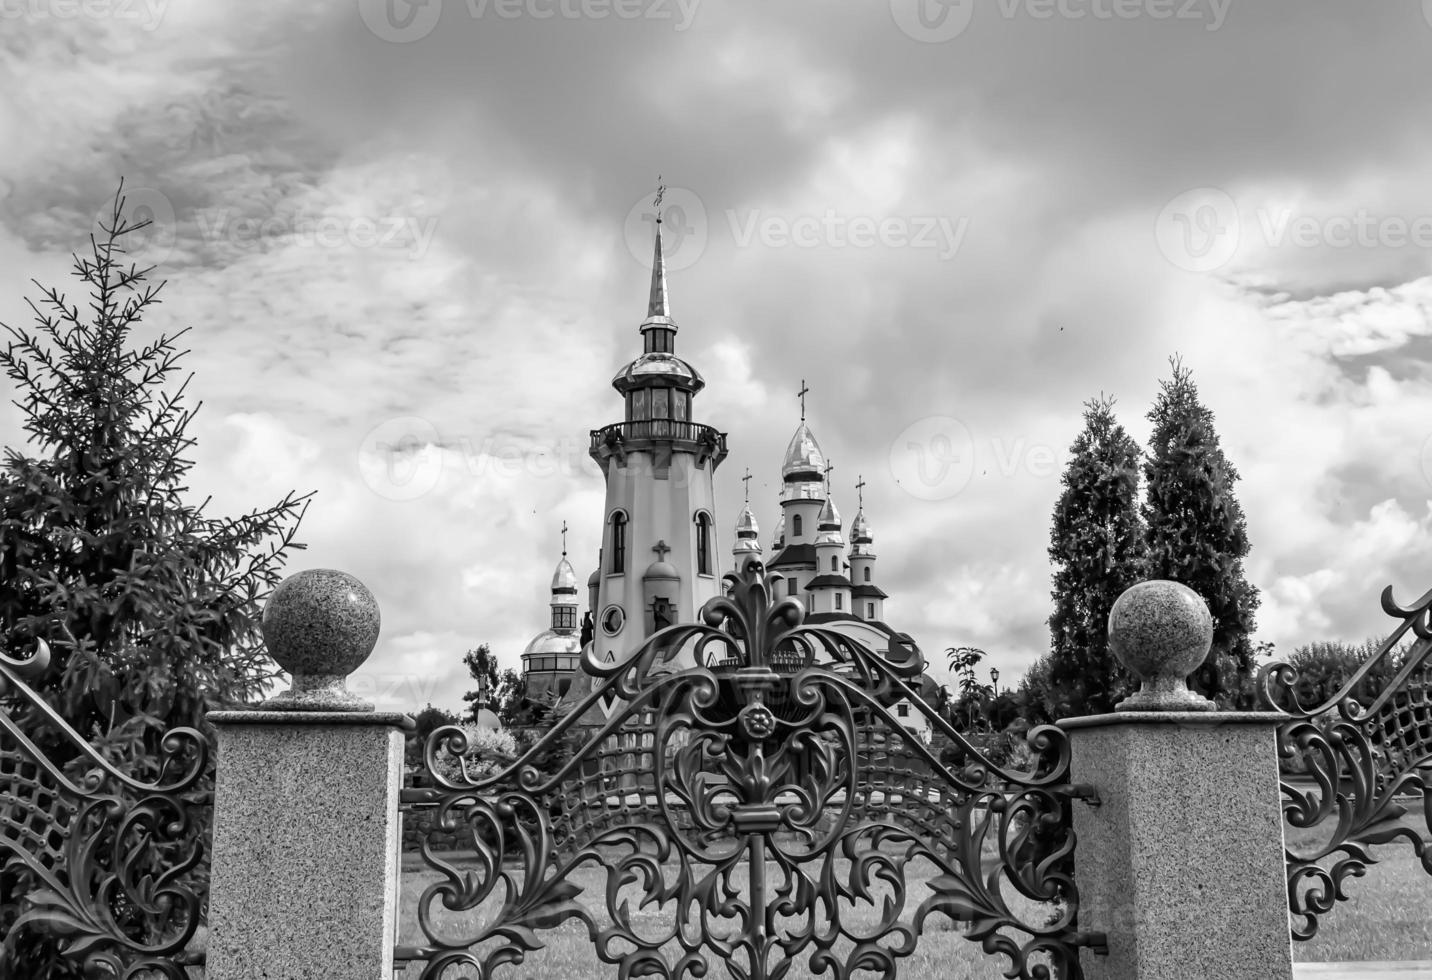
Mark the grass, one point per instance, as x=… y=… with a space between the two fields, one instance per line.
x=1385 y=919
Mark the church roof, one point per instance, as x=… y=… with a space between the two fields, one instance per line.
x=827 y=581
x=796 y=554
x=864 y=591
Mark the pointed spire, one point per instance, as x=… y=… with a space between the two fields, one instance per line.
x=658 y=305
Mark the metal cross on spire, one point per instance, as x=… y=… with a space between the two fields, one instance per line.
x=801 y=395
x=828 y=467
x=747 y=481
x=564 y=539
x=860 y=490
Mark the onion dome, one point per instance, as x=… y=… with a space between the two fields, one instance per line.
x=747 y=533
x=804 y=460
x=780 y=533
x=859 y=529
x=802 y=471
x=554 y=641
x=594 y=579
x=564 y=579
x=829 y=524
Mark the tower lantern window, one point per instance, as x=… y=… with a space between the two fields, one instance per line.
x=795 y=525
x=867 y=573
x=703 y=543
x=619 y=522
x=660 y=406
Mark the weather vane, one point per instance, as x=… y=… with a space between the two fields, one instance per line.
x=660 y=193
x=801 y=395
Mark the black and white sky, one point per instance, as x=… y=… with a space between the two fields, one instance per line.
x=412 y=238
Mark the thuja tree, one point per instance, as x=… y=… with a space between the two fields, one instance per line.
x=1196 y=531
x=149 y=604
x=1097 y=550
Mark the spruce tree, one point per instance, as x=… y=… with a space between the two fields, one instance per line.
x=1096 y=544
x=149 y=605
x=1196 y=531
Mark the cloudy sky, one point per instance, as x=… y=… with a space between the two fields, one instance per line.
x=413 y=241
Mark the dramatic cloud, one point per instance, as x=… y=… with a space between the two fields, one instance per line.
x=412 y=258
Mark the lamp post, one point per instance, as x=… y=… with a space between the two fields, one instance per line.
x=994 y=679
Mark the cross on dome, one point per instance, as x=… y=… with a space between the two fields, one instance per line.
x=661 y=548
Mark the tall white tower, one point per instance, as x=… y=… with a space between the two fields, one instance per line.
x=658 y=563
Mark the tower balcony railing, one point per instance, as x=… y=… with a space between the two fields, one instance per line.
x=649 y=433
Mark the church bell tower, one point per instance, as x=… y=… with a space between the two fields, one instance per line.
x=658 y=562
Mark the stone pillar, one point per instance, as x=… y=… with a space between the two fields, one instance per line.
x=1181 y=863
x=306 y=847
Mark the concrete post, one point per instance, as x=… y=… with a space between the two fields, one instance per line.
x=306 y=834
x=1185 y=851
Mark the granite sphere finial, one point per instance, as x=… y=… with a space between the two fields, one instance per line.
x=1161 y=631
x=320 y=625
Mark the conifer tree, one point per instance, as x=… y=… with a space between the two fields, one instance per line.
x=1196 y=531
x=149 y=605
x=1097 y=548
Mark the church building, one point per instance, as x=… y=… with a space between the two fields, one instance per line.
x=658 y=562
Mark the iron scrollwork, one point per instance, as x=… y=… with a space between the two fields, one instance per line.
x=91 y=847
x=1359 y=759
x=768 y=803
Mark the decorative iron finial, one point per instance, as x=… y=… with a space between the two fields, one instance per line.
x=860 y=491
x=660 y=193
x=564 y=539
x=747 y=481
x=801 y=395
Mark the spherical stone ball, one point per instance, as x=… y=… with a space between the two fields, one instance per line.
x=1161 y=631
x=321 y=621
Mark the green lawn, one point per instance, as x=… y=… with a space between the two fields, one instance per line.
x=1386 y=919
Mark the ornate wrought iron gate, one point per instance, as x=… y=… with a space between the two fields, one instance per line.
x=765 y=805
x=105 y=863
x=1347 y=761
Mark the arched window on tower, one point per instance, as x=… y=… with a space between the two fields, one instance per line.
x=795 y=525
x=703 y=543
x=834 y=563
x=867 y=573
x=619 y=549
